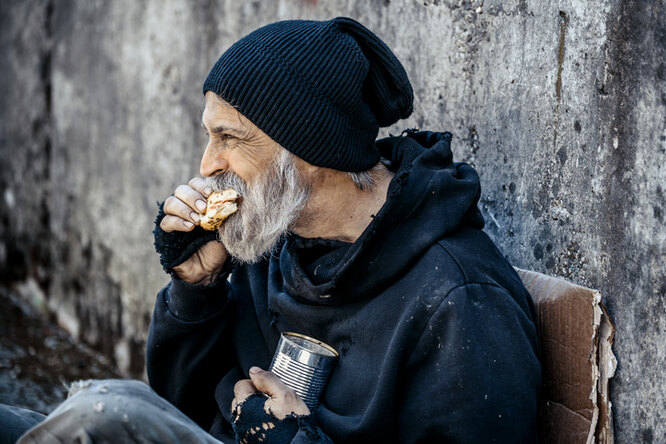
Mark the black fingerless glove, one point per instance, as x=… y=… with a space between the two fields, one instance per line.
x=253 y=425
x=176 y=247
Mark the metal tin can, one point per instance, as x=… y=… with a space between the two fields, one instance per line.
x=304 y=365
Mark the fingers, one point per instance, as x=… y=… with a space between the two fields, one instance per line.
x=191 y=197
x=267 y=382
x=173 y=223
x=179 y=216
x=200 y=185
x=242 y=390
x=284 y=401
x=183 y=208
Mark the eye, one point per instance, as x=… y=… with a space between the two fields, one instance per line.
x=226 y=141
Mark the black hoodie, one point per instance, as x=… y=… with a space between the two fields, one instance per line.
x=435 y=330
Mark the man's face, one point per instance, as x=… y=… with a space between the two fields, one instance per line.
x=235 y=144
x=241 y=156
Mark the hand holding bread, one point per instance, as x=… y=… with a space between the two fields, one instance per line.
x=185 y=209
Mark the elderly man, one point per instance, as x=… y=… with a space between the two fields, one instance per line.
x=373 y=247
x=383 y=260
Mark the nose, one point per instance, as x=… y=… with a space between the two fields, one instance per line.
x=213 y=162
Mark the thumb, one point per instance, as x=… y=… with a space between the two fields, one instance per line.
x=267 y=382
x=283 y=400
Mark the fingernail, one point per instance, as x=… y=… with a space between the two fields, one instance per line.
x=188 y=224
x=208 y=190
x=194 y=216
x=201 y=205
x=254 y=370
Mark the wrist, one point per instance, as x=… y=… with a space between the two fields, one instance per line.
x=201 y=278
x=205 y=266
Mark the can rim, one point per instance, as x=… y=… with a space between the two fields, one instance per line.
x=316 y=341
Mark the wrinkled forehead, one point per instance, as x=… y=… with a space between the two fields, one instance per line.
x=215 y=110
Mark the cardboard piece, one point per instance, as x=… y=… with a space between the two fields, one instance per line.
x=576 y=335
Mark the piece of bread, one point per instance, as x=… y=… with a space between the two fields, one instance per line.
x=221 y=205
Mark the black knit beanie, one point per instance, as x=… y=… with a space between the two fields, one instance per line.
x=319 y=89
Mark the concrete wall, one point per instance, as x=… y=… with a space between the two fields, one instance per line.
x=560 y=105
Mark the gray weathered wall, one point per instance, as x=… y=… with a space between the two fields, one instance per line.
x=561 y=105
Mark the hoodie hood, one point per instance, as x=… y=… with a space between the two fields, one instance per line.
x=429 y=198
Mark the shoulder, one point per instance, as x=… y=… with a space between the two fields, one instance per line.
x=479 y=261
x=479 y=294
x=467 y=256
x=467 y=264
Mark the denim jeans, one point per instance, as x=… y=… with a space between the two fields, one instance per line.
x=107 y=411
x=14 y=422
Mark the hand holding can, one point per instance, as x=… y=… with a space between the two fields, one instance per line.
x=304 y=364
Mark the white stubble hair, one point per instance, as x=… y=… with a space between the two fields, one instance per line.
x=269 y=206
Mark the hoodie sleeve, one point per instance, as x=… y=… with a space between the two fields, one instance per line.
x=474 y=375
x=186 y=354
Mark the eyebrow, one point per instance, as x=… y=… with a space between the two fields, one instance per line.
x=221 y=129
x=218 y=129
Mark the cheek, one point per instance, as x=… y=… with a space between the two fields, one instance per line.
x=244 y=164
x=252 y=160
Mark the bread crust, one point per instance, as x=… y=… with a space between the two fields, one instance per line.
x=221 y=205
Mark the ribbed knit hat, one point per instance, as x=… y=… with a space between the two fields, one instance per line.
x=319 y=89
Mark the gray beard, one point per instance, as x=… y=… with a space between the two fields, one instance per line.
x=269 y=206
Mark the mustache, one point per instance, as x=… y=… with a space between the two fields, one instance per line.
x=228 y=179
